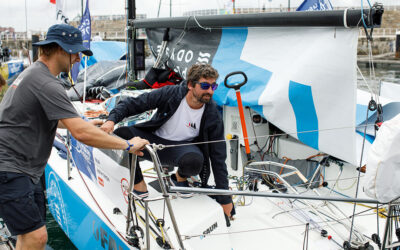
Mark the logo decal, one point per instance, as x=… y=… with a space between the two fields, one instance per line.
x=209 y=230
x=124 y=188
x=56 y=201
x=191 y=125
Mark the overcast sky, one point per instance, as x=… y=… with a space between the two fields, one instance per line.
x=40 y=14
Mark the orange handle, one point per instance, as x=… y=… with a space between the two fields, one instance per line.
x=243 y=122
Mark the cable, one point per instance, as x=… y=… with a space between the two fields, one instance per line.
x=161 y=146
x=359 y=174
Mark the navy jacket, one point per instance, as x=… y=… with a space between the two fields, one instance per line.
x=167 y=100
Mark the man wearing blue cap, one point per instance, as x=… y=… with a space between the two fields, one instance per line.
x=30 y=112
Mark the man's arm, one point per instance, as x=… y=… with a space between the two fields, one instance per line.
x=137 y=105
x=94 y=122
x=60 y=125
x=91 y=135
x=219 y=168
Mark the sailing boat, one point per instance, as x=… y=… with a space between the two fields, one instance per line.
x=298 y=65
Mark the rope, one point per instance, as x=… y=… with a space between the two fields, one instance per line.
x=94 y=199
x=198 y=24
x=366 y=83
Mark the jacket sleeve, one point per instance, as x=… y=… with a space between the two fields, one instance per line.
x=217 y=158
x=137 y=105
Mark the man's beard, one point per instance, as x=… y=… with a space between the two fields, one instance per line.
x=201 y=97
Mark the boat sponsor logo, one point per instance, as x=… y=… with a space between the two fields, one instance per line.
x=104 y=238
x=203 y=57
x=101 y=176
x=124 y=189
x=101 y=182
x=191 y=52
x=209 y=230
x=83 y=156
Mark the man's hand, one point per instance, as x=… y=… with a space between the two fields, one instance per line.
x=108 y=127
x=97 y=122
x=227 y=209
x=138 y=145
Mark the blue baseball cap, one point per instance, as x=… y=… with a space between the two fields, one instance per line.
x=68 y=37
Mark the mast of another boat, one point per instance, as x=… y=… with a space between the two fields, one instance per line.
x=131 y=36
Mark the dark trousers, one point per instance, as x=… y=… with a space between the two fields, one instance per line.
x=188 y=158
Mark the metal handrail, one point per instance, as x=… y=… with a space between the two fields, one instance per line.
x=210 y=191
x=151 y=149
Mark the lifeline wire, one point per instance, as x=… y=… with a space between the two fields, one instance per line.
x=161 y=146
x=187 y=237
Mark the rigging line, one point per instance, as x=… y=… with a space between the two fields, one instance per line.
x=366 y=83
x=156 y=222
x=161 y=146
x=159 y=7
x=94 y=199
x=178 y=40
x=91 y=194
x=187 y=237
x=359 y=174
x=198 y=24
x=371 y=66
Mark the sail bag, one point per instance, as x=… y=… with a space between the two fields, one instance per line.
x=383 y=163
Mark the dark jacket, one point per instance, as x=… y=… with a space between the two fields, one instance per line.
x=167 y=100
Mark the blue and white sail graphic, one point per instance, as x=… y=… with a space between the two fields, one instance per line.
x=301 y=79
x=311 y=5
x=300 y=83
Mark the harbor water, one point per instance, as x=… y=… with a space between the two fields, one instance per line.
x=57 y=239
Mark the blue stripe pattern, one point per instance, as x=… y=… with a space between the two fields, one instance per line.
x=300 y=96
x=227 y=59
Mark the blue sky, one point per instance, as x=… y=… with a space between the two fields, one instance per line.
x=41 y=13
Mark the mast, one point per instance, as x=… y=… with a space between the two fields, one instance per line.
x=131 y=33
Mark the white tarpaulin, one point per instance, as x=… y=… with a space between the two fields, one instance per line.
x=383 y=163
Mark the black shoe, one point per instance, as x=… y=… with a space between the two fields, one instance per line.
x=177 y=183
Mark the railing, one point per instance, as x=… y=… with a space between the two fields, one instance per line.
x=157 y=166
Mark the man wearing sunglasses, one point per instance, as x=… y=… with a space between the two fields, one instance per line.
x=185 y=114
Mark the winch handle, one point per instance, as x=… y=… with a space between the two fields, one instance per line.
x=235 y=86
